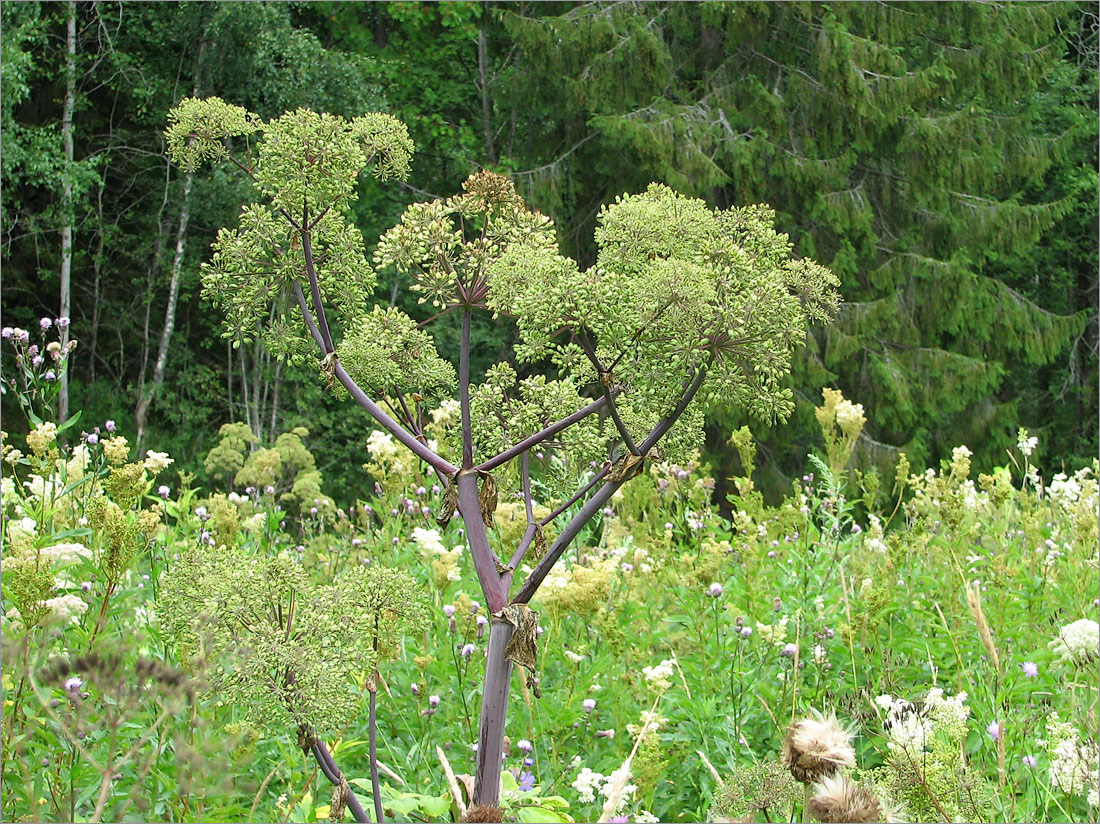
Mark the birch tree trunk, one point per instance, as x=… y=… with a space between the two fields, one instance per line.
x=65 y=302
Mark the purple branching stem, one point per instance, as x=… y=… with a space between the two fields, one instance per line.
x=398 y=431
x=532 y=527
x=376 y=786
x=603 y=373
x=525 y=468
x=577 y=495
x=618 y=421
x=596 y=502
x=375 y=411
x=542 y=435
x=314 y=285
x=308 y=316
x=485 y=560
x=521 y=550
x=561 y=543
x=464 y=391
x=333 y=774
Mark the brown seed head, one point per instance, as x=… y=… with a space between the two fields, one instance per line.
x=483 y=812
x=816 y=748
x=839 y=799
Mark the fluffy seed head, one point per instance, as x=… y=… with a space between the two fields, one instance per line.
x=817 y=747
x=839 y=799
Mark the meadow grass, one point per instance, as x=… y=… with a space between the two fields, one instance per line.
x=677 y=646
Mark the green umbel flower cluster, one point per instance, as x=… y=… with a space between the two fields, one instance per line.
x=287 y=650
x=676 y=287
x=306 y=167
x=385 y=349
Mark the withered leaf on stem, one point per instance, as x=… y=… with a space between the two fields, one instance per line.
x=450 y=501
x=626 y=468
x=487 y=497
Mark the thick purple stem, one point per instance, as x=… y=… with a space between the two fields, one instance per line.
x=602 y=496
x=494 y=710
x=464 y=391
x=485 y=560
x=314 y=285
x=561 y=543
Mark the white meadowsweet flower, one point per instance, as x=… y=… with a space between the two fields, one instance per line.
x=381 y=446
x=586 y=784
x=66 y=607
x=429 y=541
x=1078 y=642
x=1026 y=444
x=658 y=676
x=156 y=462
x=66 y=553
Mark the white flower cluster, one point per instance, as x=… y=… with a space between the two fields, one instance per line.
x=909 y=730
x=850 y=417
x=659 y=675
x=1026 y=444
x=254 y=524
x=1078 y=643
x=447 y=413
x=385 y=451
x=66 y=607
x=65 y=553
x=1069 y=490
x=156 y=462
x=429 y=541
x=776 y=635
x=1074 y=764
x=588 y=783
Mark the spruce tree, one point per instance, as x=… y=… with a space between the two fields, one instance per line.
x=899 y=143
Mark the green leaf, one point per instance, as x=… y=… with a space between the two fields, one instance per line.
x=542 y=815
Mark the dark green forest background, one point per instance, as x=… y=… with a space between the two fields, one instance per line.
x=941 y=158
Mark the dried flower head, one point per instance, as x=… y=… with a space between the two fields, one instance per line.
x=817 y=747
x=484 y=812
x=838 y=798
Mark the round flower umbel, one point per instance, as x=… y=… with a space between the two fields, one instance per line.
x=816 y=748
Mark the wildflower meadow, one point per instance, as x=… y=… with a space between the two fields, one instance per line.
x=924 y=649
x=539 y=600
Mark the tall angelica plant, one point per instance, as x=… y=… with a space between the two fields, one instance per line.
x=685 y=307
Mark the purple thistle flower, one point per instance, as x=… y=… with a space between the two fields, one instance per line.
x=62 y=323
x=1030 y=668
x=788 y=651
x=44 y=324
x=995 y=729
x=92 y=438
x=1031 y=761
x=109 y=426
